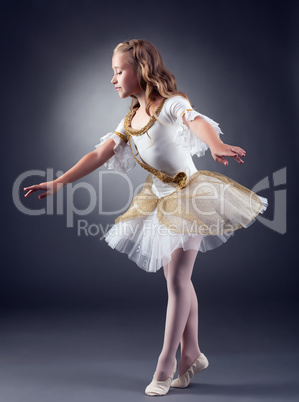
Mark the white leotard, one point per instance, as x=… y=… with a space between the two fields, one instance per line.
x=170 y=148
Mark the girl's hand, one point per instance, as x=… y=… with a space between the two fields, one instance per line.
x=221 y=150
x=51 y=188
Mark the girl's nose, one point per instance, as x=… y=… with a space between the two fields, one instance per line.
x=113 y=81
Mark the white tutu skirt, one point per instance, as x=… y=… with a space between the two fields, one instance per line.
x=201 y=216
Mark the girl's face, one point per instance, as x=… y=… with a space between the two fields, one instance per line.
x=124 y=78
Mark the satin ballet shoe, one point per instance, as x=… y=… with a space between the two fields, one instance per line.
x=198 y=365
x=156 y=387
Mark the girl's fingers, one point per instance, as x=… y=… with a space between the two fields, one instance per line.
x=239 y=150
x=32 y=188
x=231 y=151
x=28 y=193
x=239 y=160
x=222 y=160
x=43 y=195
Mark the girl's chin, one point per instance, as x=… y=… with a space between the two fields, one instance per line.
x=123 y=96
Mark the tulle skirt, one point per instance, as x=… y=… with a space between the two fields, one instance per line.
x=201 y=216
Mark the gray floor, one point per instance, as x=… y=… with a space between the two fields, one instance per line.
x=111 y=356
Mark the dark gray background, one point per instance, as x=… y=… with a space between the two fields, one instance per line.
x=237 y=62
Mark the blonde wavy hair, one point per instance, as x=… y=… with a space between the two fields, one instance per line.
x=152 y=75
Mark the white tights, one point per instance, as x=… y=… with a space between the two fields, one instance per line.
x=181 y=324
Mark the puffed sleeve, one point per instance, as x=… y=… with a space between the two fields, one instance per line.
x=177 y=107
x=123 y=159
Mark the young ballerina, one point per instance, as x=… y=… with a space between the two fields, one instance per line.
x=179 y=210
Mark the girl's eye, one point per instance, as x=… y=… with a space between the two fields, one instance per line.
x=119 y=73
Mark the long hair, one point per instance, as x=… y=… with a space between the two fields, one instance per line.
x=153 y=77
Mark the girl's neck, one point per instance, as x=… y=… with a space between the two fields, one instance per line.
x=142 y=102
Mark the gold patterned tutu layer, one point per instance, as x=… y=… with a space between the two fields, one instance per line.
x=210 y=204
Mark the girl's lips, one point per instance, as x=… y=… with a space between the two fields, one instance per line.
x=117 y=88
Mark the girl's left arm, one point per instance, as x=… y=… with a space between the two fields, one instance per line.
x=205 y=132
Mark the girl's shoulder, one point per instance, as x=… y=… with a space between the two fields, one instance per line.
x=176 y=99
x=176 y=105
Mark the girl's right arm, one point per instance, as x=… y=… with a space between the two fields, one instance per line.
x=87 y=164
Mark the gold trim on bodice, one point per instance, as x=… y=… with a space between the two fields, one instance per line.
x=130 y=115
x=180 y=180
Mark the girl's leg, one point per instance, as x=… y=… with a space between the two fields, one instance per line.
x=178 y=308
x=189 y=342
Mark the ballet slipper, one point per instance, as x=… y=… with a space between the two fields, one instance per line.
x=156 y=387
x=198 y=365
